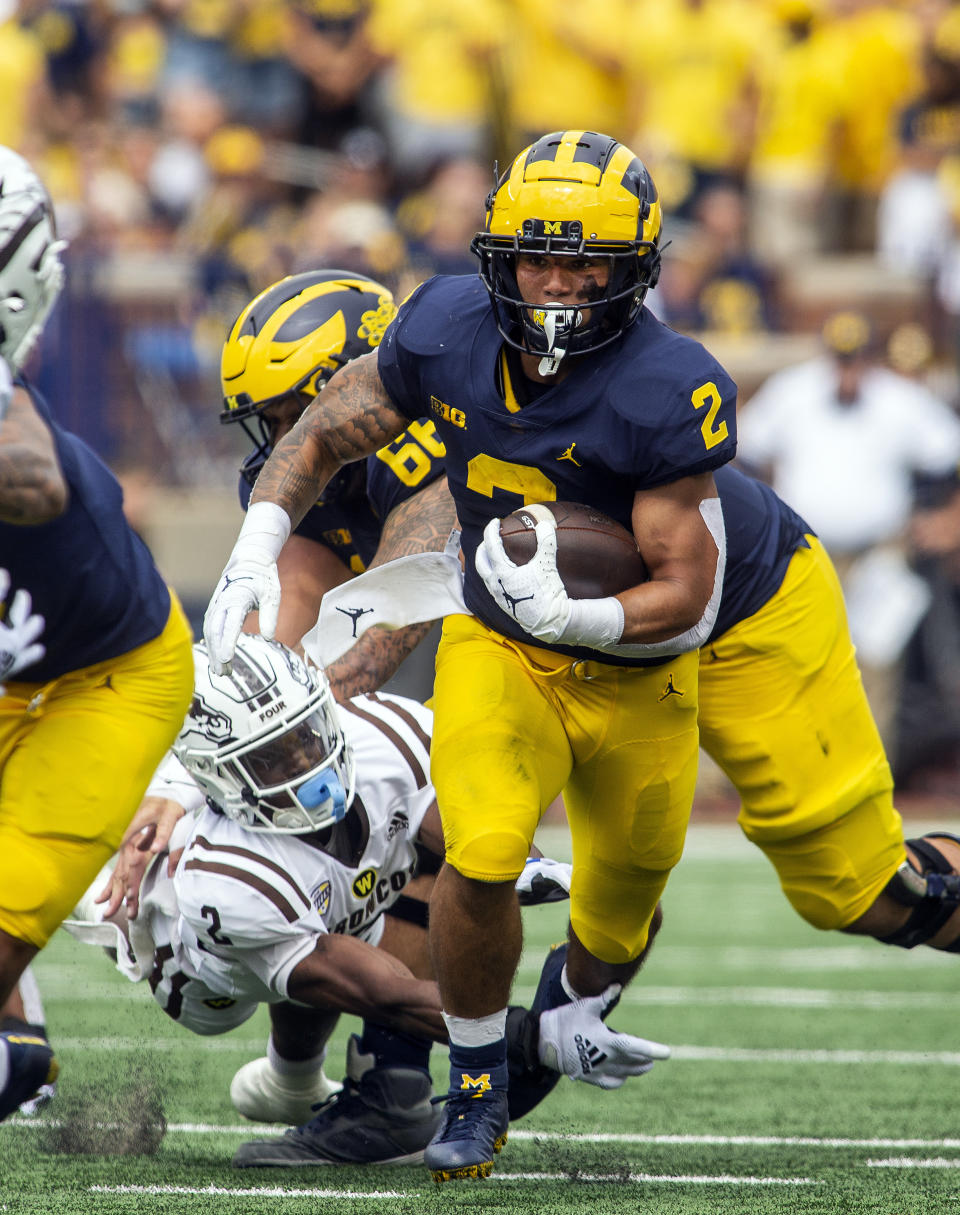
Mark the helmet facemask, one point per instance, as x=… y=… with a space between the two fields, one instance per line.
x=31 y=272
x=579 y=195
x=256 y=426
x=265 y=742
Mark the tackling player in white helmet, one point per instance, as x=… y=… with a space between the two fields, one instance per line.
x=31 y=273
x=311 y=819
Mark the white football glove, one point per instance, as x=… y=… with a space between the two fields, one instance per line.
x=543 y=881
x=574 y=1040
x=249 y=581
x=19 y=630
x=534 y=595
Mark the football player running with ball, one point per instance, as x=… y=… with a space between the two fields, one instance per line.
x=95 y=651
x=547 y=380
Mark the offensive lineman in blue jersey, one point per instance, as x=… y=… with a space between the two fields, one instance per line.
x=83 y=725
x=281 y=350
x=567 y=388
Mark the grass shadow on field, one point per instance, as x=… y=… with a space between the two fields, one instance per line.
x=103 y=1115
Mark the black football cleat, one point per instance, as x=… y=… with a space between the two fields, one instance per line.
x=30 y=1064
x=473 y=1130
x=530 y=1080
x=382 y=1115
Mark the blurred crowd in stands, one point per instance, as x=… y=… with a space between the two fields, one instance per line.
x=807 y=153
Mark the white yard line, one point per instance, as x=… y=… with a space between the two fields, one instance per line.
x=781 y=997
x=602 y=1178
x=662 y=1178
x=224 y=1191
x=908 y=1162
x=728 y=1054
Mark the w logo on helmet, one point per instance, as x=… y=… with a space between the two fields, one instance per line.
x=476 y=1086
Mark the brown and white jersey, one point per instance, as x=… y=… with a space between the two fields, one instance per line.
x=252 y=903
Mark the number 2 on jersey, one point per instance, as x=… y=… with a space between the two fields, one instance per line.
x=709 y=394
x=486 y=474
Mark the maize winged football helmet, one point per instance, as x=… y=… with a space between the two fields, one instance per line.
x=264 y=743
x=290 y=339
x=571 y=194
x=31 y=273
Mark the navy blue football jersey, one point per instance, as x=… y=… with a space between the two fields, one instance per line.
x=650 y=408
x=89 y=574
x=349 y=516
x=763 y=533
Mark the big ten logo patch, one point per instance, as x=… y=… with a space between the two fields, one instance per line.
x=449 y=413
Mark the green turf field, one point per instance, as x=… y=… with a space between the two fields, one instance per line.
x=810 y=1073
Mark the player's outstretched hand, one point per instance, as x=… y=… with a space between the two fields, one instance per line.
x=148 y=834
x=19 y=629
x=574 y=1040
x=249 y=580
x=543 y=881
x=244 y=585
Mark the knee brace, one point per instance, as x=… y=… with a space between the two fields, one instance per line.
x=932 y=893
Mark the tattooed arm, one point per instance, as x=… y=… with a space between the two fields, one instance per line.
x=32 y=485
x=421 y=524
x=352 y=418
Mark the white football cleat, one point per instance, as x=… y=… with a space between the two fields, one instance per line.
x=260 y=1093
x=44 y=1095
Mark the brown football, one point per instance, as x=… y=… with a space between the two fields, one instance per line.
x=596 y=555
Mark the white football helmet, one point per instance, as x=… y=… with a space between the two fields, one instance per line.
x=265 y=743
x=31 y=273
